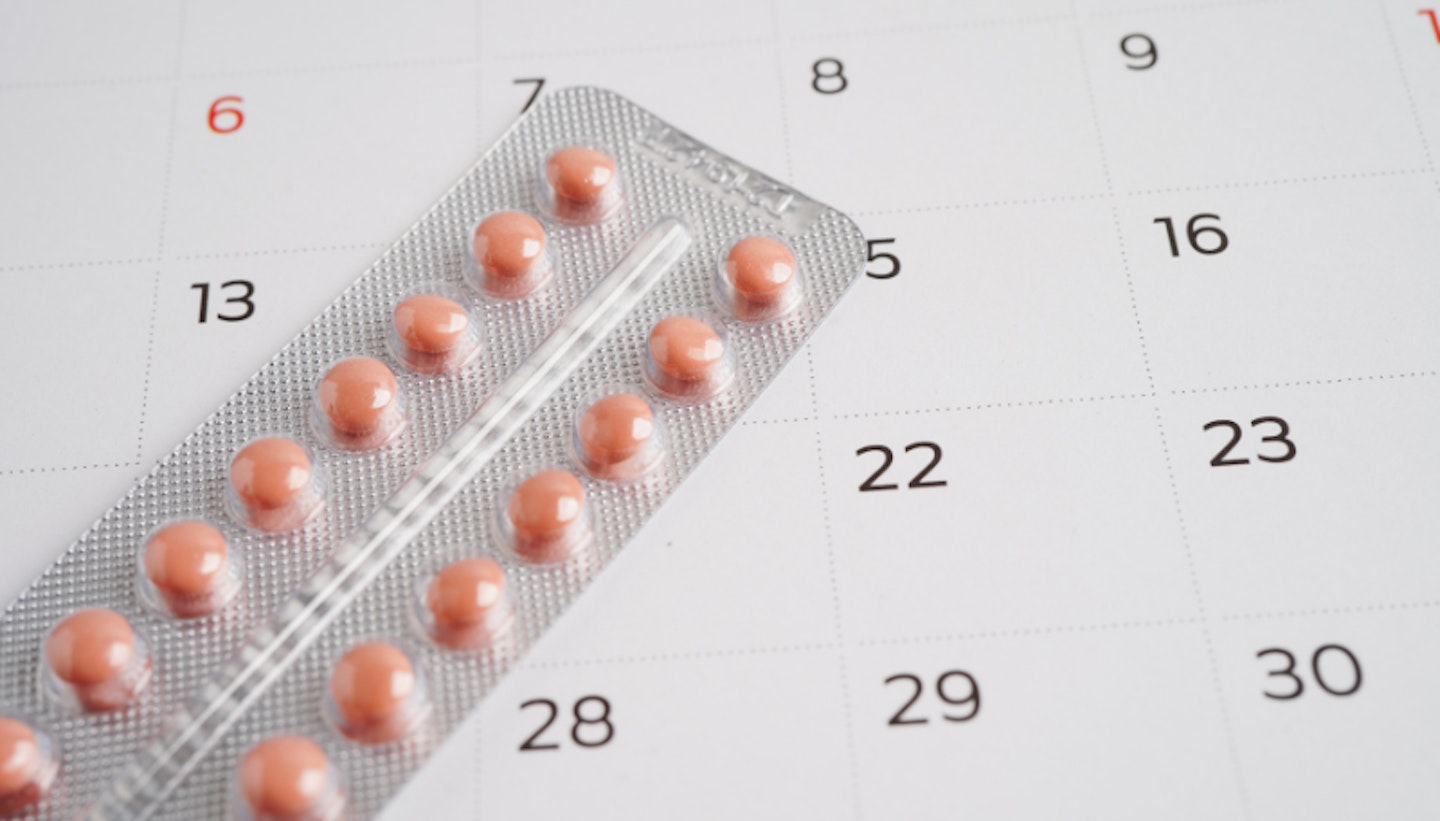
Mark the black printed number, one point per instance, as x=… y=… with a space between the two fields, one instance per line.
x=1205 y=239
x=1139 y=47
x=591 y=728
x=1341 y=658
x=893 y=261
x=539 y=84
x=245 y=298
x=888 y=456
x=829 y=76
x=956 y=688
x=1280 y=437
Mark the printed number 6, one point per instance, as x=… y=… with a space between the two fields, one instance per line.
x=231 y=123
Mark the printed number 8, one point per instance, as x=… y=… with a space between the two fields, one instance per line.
x=834 y=72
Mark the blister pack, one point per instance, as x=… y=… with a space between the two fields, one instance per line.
x=289 y=613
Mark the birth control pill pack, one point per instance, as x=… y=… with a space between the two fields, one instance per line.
x=297 y=605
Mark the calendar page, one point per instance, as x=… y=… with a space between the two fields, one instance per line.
x=1111 y=491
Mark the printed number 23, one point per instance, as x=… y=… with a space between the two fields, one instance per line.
x=1281 y=437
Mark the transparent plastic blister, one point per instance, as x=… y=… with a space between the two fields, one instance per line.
x=403 y=482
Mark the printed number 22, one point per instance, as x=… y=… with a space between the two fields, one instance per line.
x=872 y=483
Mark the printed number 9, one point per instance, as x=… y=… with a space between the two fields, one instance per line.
x=829 y=76
x=1145 y=52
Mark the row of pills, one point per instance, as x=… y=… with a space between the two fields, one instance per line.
x=93 y=660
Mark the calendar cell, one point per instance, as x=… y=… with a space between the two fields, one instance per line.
x=792 y=395
x=107 y=144
x=197 y=364
x=675 y=740
x=992 y=126
x=46 y=43
x=1332 y=710
x=303 y=167
x=1306 y=496
x=1014 y=493
x=43 y=528
x=731 y=93
x=1315 y=281
x=1017 y=320
x=97 y=335
x=1018 y=726
x=702 y=553
x=1184 y=120
x=275 y=36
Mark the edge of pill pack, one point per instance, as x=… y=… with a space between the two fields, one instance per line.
x=204 y=549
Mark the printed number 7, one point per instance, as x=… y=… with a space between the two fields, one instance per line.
x=539 y=84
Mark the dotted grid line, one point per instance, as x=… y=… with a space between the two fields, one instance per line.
x=149 y=364
x=1199 y=599
x=696 y=655
x=1026 y=632
x=1024 y=403
x=353 y=246
x=846 y=703
x=1339 y=610
x=1307 y=382
x=926 y=28
x=68 y=468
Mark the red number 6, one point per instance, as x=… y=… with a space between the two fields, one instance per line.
x=237 y=117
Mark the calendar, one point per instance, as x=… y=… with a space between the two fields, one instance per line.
x=1111 y=491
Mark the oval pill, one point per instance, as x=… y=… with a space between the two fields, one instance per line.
x=188 y=565
x=287 y=777
x=616 y=428
x=270 y=473
x=430 y=324
x=95 y=661
x=465 y=594
x=546 y=514
x=372 y=687
x=90 y=647
x=759 y=267
x=509 y=250
x=579 y=174
x=20 y=757
x=358 y=395
x=685 y=349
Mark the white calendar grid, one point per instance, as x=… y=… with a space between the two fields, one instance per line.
x=1104 y=586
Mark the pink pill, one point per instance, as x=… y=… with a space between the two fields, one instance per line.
x=431 y=333
x=358 y=404
x=545 y=517
x=617 y=437
x=274 y=485
x=27 y=765
x=510 y=254
x=581 y=185
x=687 y=359
x=376 y=694
x=187 y=569
x=758 y=279
x=95 y=662
x=464 y=604
x=288 y=778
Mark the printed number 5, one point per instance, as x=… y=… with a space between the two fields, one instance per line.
x=872 y=256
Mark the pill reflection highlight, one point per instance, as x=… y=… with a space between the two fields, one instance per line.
x=431 y=333
x=582 y=184
x=274 y=485
x=758 y=279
